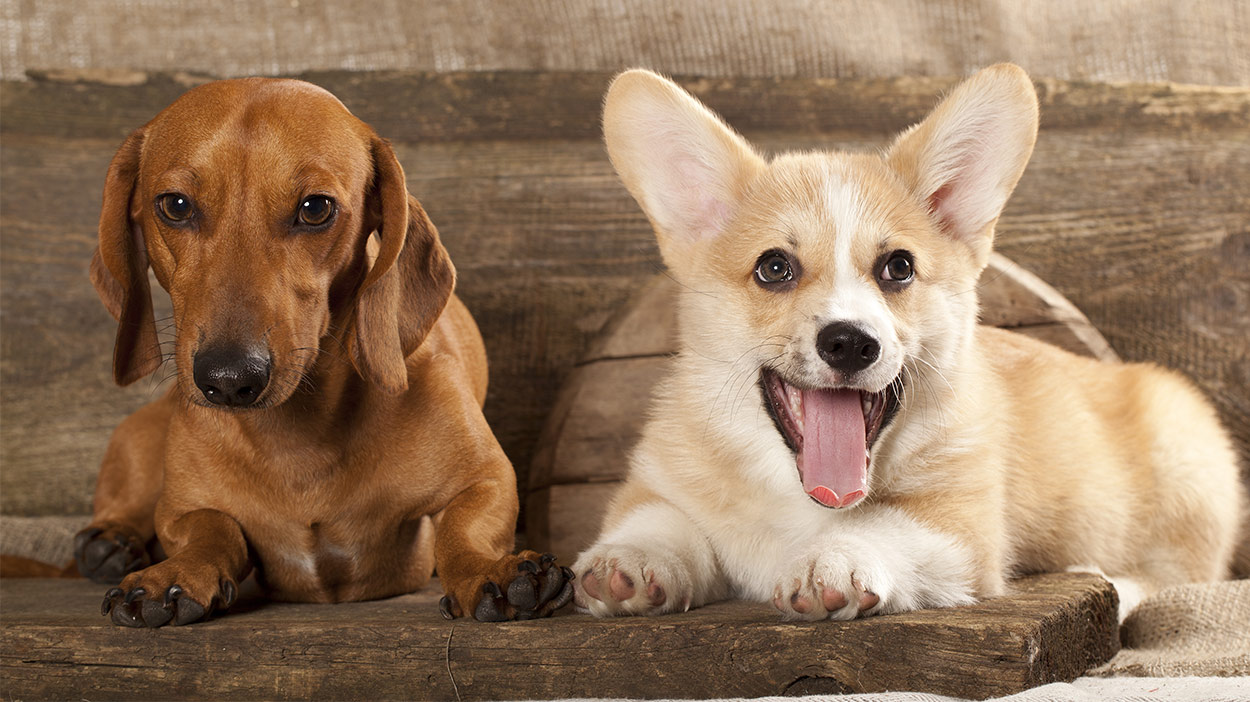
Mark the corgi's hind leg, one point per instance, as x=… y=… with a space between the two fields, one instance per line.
x=1130 y=590
x=1193 y=516
x=651 y=559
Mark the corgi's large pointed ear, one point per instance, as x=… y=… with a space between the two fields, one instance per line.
x=965 y=158
x=683 y=165
x=119 y=269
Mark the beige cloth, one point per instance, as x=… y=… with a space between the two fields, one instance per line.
x=1187 y=630
x=1186 y=689
x=1201 y=41
x=45 y=539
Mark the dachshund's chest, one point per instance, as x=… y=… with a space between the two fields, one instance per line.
x=324 y=523
x=351 y=553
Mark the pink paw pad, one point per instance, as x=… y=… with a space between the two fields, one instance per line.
x=590 y=584
x=655 y=592
x=620 y=585
x=831 y=599
x=867 y=598
x=800 y=603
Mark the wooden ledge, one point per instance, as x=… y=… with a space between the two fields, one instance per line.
x=56 y=645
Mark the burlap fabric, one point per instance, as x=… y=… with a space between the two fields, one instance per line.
x=1184 y=689
x=47 y=539
x=1202 y=41
x=1187 y=630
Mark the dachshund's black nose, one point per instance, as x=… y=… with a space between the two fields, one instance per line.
x=231 y=376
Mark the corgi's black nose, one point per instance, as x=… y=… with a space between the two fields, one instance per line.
x=847 y=348
x=230 y=376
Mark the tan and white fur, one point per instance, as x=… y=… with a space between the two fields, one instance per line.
x=1003 y=455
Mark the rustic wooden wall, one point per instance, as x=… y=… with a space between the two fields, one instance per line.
x=1135 y=206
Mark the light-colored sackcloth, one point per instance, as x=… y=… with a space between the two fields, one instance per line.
x=44 y=539
x=1187 y=630
x=1198 y=41
x=1081 y=690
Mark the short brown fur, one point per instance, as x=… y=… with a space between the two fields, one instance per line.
x=366 y=461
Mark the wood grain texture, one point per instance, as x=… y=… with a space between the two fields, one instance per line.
x=55 y=645
x=1134 y=208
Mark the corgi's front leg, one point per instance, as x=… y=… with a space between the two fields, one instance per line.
x=881 y=562
x=650 y=559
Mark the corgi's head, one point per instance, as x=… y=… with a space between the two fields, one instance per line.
x=841 y=280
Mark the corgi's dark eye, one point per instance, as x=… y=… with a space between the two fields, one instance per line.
x=315 y=211
x=174 y=208
x=898 y=268
x=773 y=268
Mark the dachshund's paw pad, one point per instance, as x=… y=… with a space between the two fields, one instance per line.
x=134 y=608
x=144 y=600
x=538 y=588
x=106 y=555
x=524 y=586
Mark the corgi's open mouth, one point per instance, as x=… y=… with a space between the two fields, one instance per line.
x=831 y=432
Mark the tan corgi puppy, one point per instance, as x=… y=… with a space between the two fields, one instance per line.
x=838 y=436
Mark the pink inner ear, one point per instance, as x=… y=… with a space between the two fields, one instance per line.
x=715 y=215
x=936 y=205
x=690 y=197
x=936 y=199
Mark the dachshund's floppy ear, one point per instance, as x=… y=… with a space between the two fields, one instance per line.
x=408 y=285
x=119 y=270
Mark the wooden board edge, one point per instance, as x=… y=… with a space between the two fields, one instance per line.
x=994 y=648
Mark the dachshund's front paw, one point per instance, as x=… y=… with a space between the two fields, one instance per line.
x=169 y=593
x=524 y=586
x=107 y=553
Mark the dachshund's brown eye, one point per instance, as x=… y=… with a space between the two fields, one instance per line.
x=898 y=268
x=175 y=207
x=315 y=210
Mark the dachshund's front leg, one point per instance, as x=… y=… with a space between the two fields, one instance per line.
x=127 y=490
x=480 y=575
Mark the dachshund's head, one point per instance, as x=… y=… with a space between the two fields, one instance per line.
x=283 y=230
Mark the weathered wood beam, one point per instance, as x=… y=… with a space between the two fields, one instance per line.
x=54 y=645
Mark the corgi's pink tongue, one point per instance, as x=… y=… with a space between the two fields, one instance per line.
x=833 y=461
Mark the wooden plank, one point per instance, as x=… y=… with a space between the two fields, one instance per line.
x=564 y=518
x=55 y=645
x=1133 y=208
x=453 y=106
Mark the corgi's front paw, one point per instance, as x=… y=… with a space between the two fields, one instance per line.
x=833 y=584
x=614 y=580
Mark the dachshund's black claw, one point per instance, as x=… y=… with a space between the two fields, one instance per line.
x=107 y=605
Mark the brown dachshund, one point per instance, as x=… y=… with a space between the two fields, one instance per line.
x=325 y=427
